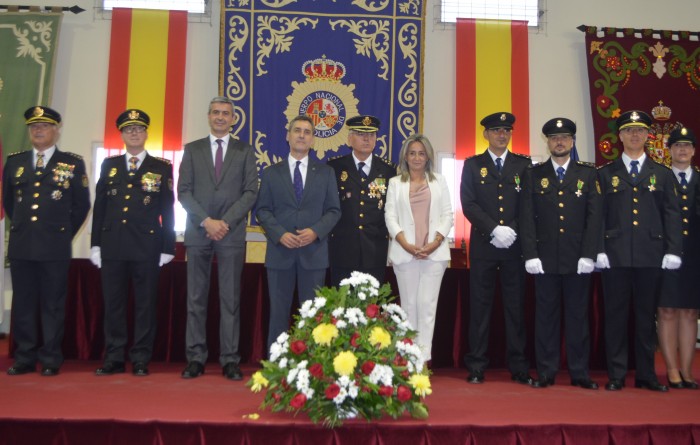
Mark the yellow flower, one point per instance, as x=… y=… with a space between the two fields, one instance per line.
x=379 y=336
x=344 y=363
x=324 y=333
x=421 y=383
x=259 y=382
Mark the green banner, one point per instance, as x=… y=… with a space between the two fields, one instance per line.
x=28 y=53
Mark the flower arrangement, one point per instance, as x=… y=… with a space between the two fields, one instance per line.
x=349 y=353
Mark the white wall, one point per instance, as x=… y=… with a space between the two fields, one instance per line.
x=558 y=74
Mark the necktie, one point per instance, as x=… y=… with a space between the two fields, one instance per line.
x=499 y=165
x=133 y=162
x=560 y=173
x=684 y=182
x=40 y=161
x=361 y=169
x=634 y=171
x=219 y=158
x=298 y=182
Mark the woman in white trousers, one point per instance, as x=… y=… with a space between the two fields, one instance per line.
x=419 y=215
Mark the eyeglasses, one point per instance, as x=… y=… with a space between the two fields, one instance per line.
x=131 y=129
x=500 y=130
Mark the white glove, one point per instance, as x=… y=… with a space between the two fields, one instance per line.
x=534 y=266
x=671 y=262
x=585 y=265
x=96 y=256
x=165 y=258
x=602 y=262
x=505 y=235
x=497 y=245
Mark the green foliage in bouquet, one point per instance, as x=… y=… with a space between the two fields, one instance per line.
x=349 y=353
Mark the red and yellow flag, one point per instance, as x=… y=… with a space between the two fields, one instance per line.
x=147 y=71
x=492 y=75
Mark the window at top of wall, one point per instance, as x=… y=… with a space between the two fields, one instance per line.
x=529 y=10
x=194 y=6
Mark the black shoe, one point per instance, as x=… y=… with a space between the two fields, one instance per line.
x=584 y=383
x=674 y=385
x=110 y=368
x=651 y=385
x=232 y=372
x=615 y=385
x=20 y=368
x=688 y=384
x=140 y=369
x=192 y=370
x=523 y=378
x=543 y=382
x=49 y=371
x=476 y=376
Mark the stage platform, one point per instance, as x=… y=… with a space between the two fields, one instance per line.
x=77 y=407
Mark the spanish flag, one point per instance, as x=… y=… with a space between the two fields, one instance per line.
x=492 y=75
x=147 y=71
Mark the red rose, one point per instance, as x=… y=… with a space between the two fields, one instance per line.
x=407 y=341
x=386 y=391
x=298 y=347
x=372 y=310
x=404 y=373
x=316 y=370
x=332 y=391
x=367 y=367
x=299 y=400
x=354 y=338
x=276 y=396
x=403 y=393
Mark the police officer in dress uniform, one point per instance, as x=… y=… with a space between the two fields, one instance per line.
x=490 y=194
x=679 y=301
x=45 y=194
x=641 y=236
x=132 y=235
x=560 y=225
x=360 y=240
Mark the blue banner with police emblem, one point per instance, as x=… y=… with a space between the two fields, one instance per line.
x=331 y=60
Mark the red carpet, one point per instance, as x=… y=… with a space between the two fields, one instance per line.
x=78 y=407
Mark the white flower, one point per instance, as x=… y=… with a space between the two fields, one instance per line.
x=338 y=312
x=382 y=374
x=362 y=296
x=305 y=308
x=291 y=375
x=283 y=362
x=301 y=324
x=340 y=324
x=340 y=398
x=319 y=302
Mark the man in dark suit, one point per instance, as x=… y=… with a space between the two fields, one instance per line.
x=132 y=235
x=490 y=194
x=45 y=194
x=641 y=236
x=298 y=207
x=360 y=240
x=218 y=186
x=560 y=223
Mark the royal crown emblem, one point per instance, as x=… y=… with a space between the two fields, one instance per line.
x=661 y=112
x=323 y=69
x=133 y=114
x=38 y=111
x=503 y=117
x=634 y=116
x=559 y=123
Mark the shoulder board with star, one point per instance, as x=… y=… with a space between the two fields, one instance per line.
x=335 y=157
x=538 y=165
x=696 y=168
x=520 y=155
x=384 y=160
x=585 y=164
x=163 y=160
x=17 y=153
x=604 y=165
x=77 y=156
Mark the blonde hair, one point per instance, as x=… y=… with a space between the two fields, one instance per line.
x=403 y=163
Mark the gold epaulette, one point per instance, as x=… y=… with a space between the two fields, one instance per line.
x=77 y=156
x=696 y=168
x=163 y=160
x=17 y=153
x=336 y=157
x=585 y=164
x=604 y=165
x=520 y=154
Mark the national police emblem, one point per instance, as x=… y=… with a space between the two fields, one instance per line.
x=326 y=100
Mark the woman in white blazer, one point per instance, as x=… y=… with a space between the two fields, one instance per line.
x=419 y=215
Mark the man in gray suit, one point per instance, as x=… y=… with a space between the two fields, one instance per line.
x=218 y=186
x=298 y=208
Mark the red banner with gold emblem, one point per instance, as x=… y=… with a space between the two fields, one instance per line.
x=643 y=69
